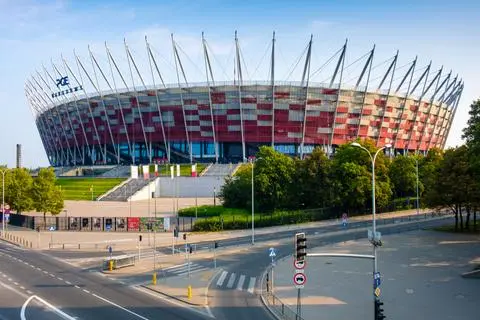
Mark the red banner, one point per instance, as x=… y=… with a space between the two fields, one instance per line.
x=133 y=223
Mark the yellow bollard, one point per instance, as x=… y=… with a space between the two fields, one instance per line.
x=189 y=292
x=110 y=265
x=154 y=278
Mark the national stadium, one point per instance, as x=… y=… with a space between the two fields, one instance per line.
x=132 y=120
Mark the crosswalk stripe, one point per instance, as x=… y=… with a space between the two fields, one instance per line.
x=241 y=280
x=173 y=267
x=231 y=280
x=251 y=284
x=221 y=279
x=192 y=271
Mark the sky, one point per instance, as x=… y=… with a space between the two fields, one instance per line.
x=38 y=33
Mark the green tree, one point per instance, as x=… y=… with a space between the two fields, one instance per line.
x=403 y=176
x=471 y=134
x=273 y=175
x=312 y=184
x=455 y=186
x=236 y=191
x=352 y=178
x=18 y=189
x=47 y=197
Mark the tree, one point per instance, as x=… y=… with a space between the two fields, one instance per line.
x=471 y=134
x=312 y=185
x=18 y=188
x=402 y=173
x=46 y=195
x=352 y=177
x=455 y=186
x=236 y=191
x=273 y=175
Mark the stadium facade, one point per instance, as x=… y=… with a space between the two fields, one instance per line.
x=228 y=121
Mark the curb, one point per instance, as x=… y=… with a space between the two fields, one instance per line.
x=11 y=242
x=474 y=274
x=210 y=283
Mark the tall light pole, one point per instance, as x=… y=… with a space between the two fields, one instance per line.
x=356 y=144
x=3 y=201
x=418 y=198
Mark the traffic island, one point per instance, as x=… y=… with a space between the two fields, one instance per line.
x=178 y=287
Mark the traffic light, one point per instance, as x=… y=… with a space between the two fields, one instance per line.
x=215 y=245
x=185 y=236
x=190 y=249
x=140 y=238
x=175 y=232
x=300 y=246
x=379 y=310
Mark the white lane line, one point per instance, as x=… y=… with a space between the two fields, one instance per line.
x=29 y=292
x=10 y=279
x=241 y=280
x=86 y=291
x=4 y=275
x=122 y=282
x=22 y=287
x=38 y=268
x=120 y=307
x=77 y=287
x=231 y=280
x=59 y=278
x=56 y=310
x=44 y=271
x=52 y=275
x=172 y=301
x=68 y=282
x=221 y=279
x=15 y=283
x=192 y=271
x=251 y=284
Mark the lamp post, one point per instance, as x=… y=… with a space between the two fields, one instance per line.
x=3 y=201
x=418 y=198
x=356 y=144
x=252 y=161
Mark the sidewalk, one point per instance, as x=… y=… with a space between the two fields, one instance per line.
x=98 y=241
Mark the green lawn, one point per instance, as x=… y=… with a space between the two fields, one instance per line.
x=81 y=188
x=185 y=169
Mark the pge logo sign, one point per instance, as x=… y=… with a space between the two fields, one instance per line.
x=62 y=82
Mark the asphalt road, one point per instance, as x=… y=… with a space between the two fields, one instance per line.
x=78 y=293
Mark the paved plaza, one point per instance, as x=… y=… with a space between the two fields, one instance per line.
x=421 y=279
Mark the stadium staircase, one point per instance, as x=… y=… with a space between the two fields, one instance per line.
x=125 y=191
x=117 y=172
x=220 y=170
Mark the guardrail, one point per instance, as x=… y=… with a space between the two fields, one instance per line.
x=119 y=262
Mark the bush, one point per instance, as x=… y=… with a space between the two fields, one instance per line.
x=211 y=211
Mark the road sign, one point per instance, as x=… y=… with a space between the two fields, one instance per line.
x=272 y=253
x=299 y=280
x=377 y=236
x=377 y=292
x=376 y=280
x=52 y=228
x=299 y=265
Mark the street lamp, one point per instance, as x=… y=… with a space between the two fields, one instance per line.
x=252 y=161
x=418 y=198
x=356 y=144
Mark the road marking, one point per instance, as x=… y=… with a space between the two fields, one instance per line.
x=56 y=310
x=241 y=280
x=174 y=267
x=52 y=275
x=22 y=287
x=9 y=279
x=68 y=282
x=29 y=292
x=120 y=307
x=44 y=271
x=59 y=278
x=15 y=283
x=221 y=279
x=251 y=284
x=175 y=302
x=231 y=280
x=77 y=287
x=85 y=290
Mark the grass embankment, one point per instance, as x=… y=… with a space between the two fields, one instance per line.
x=185 y=169
x=216 y=218
x=82 y=188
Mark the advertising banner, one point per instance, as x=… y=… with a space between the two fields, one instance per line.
x=133 y=223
